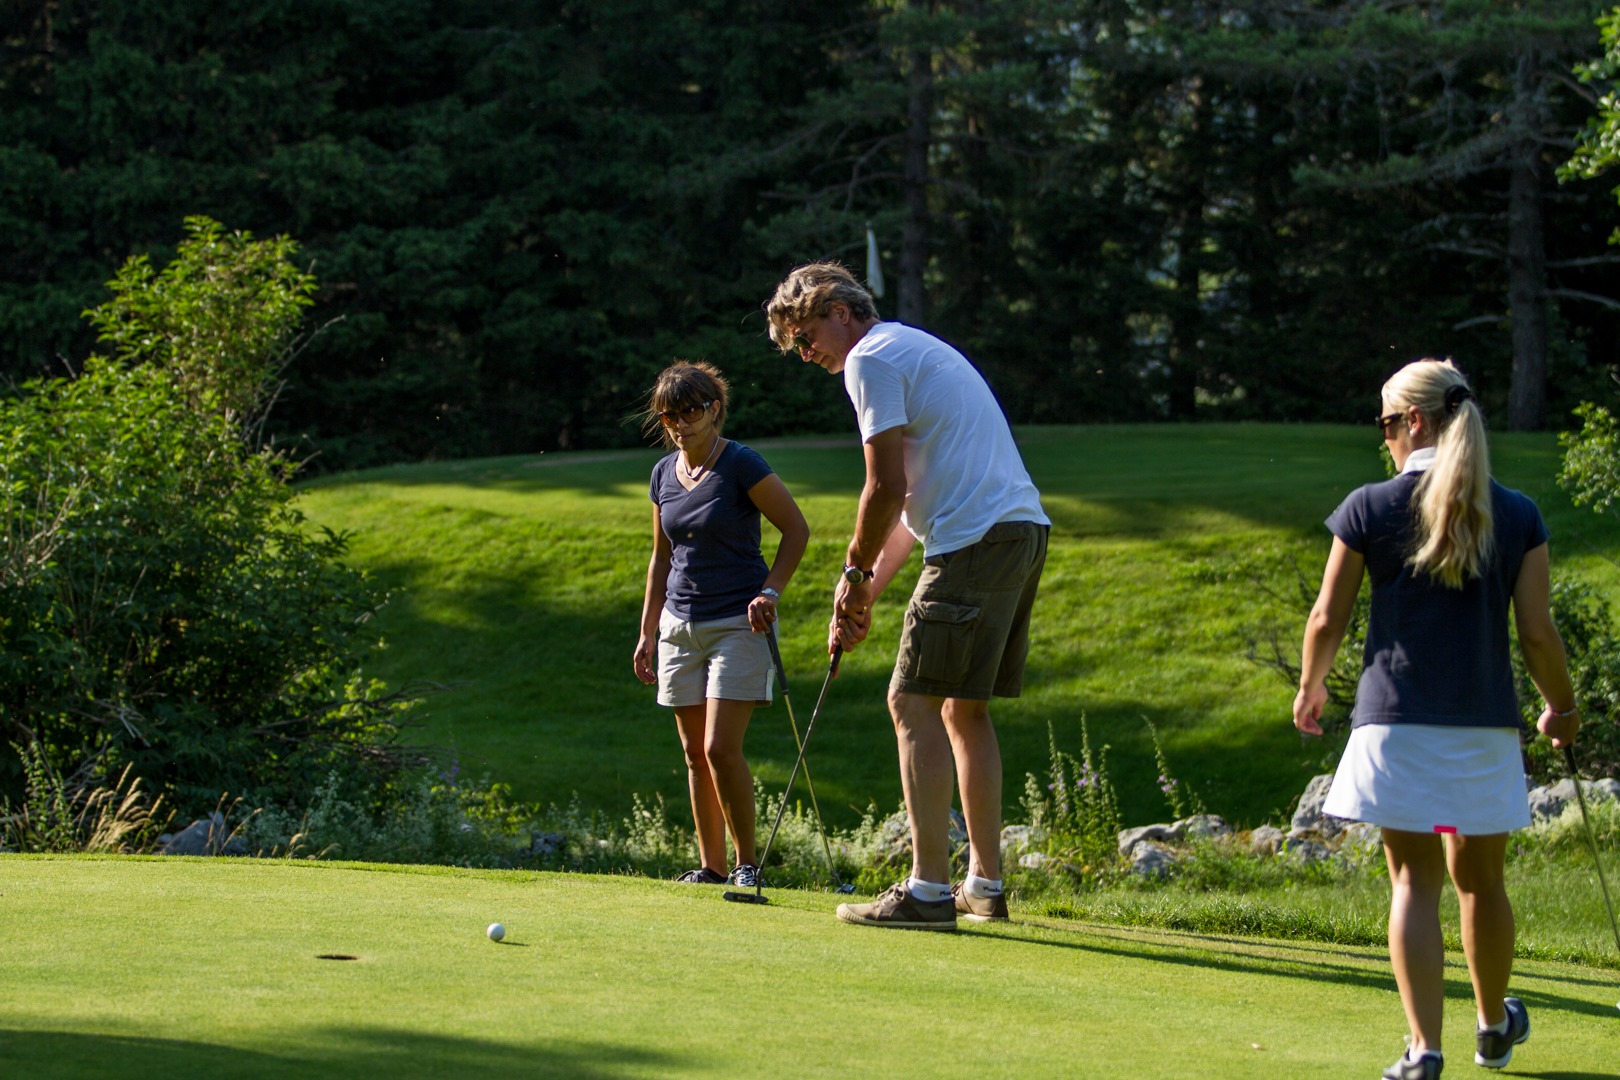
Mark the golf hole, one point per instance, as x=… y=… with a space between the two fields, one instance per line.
x=335 y=956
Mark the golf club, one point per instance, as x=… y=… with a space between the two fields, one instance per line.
x=1591 y=840
x=757 y=896
x=810 y=785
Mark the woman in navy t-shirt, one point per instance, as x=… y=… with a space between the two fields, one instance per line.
x=1434 y=755
x=710 y=601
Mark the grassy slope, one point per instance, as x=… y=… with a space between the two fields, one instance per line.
x=207 y=968
x=519 y=581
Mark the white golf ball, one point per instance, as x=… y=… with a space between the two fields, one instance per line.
x=496 y=931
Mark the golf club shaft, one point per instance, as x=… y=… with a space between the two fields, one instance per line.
x=832 y=669
x=1591 y=840
x=810 y=785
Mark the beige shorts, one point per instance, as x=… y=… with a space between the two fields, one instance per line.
x=966 y=633
x=719 y=659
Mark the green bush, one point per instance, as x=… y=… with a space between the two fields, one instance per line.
x=163 y=605
x=422 y=816
x=1586 y=623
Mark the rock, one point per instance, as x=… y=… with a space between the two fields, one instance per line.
x=1361 y=840
x=1149 y=859
x=1129 y=838
x=894 y=835
x=1309 y=816
x=1305 y=851
x=1014 y=839
x=212 y=836
x=1199 y=827
x=1034 y=860
x=1266 y=840
x=1548 y=802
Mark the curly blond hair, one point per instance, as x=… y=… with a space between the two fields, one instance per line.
x=809 y=292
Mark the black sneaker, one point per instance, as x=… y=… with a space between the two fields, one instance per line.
x=1426 y=1067
x=898 y=909
x=1494 y=1049
x=702 y=876
x=747 y=876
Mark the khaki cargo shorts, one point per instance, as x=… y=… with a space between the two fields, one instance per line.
x=967 y=626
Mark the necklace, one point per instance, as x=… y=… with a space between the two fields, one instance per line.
x=693 y=474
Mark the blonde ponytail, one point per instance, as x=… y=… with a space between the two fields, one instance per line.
x=1454 y=528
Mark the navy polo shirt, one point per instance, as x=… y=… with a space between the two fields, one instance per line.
x=715 y=564
x=1435 y=655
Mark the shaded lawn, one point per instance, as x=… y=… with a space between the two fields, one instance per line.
x=518 y=582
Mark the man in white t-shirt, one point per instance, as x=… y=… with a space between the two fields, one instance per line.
x=941 y=467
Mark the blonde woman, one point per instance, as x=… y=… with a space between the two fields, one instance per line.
x=1434 y=752
x=710 y=601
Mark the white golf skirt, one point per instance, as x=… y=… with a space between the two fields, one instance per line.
x=1427 y=778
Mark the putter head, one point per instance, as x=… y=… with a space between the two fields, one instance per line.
x=744 y=897
x=846 y=888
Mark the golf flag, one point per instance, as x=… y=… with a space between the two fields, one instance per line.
x=874 y=272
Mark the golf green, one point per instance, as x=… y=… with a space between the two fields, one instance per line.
x=192 y=968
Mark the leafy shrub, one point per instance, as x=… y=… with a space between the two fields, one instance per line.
x=163 y=605
x=422 y=816
x=1586 y=622
x=221 y=320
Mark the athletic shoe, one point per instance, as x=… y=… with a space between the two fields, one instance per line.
x=979 y=908
x=899 y=910
x=702 y=876
x=1426 y=1067
x=746 y=875
x=1494 y=1049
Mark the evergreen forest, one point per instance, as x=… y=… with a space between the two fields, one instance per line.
x=519 y=210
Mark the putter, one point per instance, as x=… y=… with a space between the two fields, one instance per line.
x=810 y=785
x=1591 y=840
x=758 y=896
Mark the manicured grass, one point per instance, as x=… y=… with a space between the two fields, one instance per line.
x=518 y=582
x=208 y=968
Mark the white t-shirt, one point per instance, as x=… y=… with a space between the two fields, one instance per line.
x=963 y=470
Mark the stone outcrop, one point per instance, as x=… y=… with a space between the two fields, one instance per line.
x=212 y=835
x=1548 y=802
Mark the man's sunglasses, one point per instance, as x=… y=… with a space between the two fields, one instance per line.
x=689 y=415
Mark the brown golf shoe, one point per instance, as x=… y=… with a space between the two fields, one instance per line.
x=899 y=910
x=979 y=908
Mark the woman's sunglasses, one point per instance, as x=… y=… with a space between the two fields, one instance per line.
x=689 y=415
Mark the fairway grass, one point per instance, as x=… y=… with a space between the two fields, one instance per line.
x=192 y=968
x=517 y=583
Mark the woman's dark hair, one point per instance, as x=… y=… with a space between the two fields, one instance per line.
x=685 y=384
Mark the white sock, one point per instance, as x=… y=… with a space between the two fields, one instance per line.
x=1500 y=1029
x=982 y=887
x=1414 y=1056
x=929 y=892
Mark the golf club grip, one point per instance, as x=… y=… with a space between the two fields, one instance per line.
x=837 y=655
x=1569 y=759
x=776 y=658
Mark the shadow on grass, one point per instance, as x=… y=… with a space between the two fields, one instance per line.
x=399 y=1055
x=1241 y=957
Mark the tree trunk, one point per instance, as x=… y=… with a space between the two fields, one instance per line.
x=914 y=231
x=1527 y=257
x=1186 y=314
